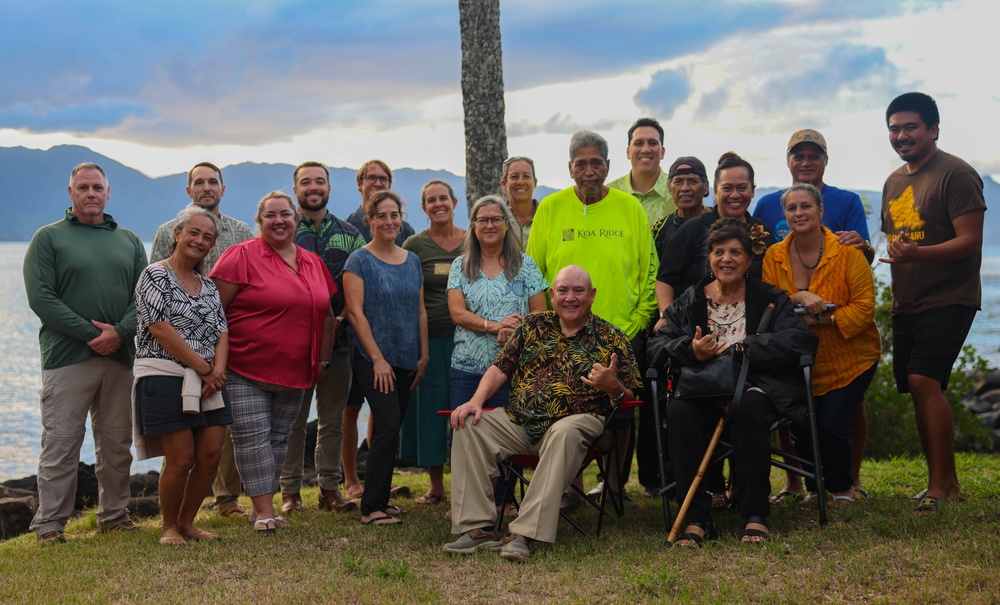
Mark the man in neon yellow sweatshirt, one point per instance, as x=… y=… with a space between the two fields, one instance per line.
x=606 y=232
x=603 y=230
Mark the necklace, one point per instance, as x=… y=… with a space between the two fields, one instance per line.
x=818 y=256
x=190 y=290
x=726 y=303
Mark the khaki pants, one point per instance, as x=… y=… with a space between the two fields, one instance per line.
x=331 y=399
x=227 y=485
x=476 y=451
x=102 y=388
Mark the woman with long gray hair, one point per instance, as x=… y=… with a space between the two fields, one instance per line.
x=491 y=287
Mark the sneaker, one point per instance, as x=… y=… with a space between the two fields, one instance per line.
x=569 y=502
x=629 y=503
x=515 y=548
x=51 y=538
x=471 y=540
x=125 y=525
x=596 y=492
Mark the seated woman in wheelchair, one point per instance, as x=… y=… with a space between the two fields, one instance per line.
x=727 y=309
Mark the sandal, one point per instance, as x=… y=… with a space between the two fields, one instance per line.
x=755 y=536
x=171 y=537
x=919 y=495
x=783 y=495
x=354 y=494
x=264 y=526
x=929 y=504
x=384 y=519
x=236 y=510
x=399 y=491
x=690 y=536
x=720 y=501
x=197 y=535
x=842 y=501
x=392 y=509
x=430 y=499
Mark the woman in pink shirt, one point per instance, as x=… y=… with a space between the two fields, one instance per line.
x=277 y=301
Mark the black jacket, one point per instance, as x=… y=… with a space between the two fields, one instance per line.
x=774 y=351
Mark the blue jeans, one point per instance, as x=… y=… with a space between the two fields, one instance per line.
x=463 y=387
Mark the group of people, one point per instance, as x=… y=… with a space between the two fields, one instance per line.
x=222 y=340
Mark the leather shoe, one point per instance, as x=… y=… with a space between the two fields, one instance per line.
x=333 y=500
x=291 y=502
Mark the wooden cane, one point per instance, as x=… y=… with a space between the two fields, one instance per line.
x=697 y=479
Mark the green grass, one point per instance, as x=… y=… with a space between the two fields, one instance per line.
x=876 y=551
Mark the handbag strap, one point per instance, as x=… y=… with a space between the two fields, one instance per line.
x=740 y=384
x=765 y=321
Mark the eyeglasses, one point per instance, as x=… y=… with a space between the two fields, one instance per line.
x=482 y=221
x=372 y=179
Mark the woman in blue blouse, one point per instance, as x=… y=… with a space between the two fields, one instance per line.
x=383 y=285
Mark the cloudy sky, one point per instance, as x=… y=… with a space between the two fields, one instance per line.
x=162 y=85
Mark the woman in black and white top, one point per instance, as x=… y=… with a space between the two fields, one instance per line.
x=180 y=406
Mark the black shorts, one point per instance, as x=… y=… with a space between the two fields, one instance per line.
x=159 y=407
x=928 y=343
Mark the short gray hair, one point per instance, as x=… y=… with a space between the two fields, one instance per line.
x=587 y=138
x=87 y=166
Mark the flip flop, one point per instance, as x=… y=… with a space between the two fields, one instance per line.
x=236 y=510
x=264 y=526
x=929 y=504
x=392 y=509
x=171 y=537
x=385 y=519
x=199 y=534
x=399 y=491
x=784 y=495
x=841 y=501
x=429 y=499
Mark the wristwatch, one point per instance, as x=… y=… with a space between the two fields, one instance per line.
x=618 y=399
x=326 y=364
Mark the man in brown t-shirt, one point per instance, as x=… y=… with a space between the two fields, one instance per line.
x=932 y=214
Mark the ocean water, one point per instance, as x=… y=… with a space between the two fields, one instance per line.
x=20 y=374
x=20 y=377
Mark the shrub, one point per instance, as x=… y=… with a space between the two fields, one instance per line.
x=892 y=429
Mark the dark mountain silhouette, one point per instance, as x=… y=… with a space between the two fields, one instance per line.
x=33 y=192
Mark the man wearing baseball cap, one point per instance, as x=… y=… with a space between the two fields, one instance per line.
x=843 y=212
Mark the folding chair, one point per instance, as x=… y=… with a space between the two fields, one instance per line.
x=604 y=446
x=811 y=468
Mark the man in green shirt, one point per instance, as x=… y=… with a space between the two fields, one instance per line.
x=646 y=181
x=80 y=275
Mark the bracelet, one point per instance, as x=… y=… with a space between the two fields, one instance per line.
x=486 y=326
x=211 y=369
